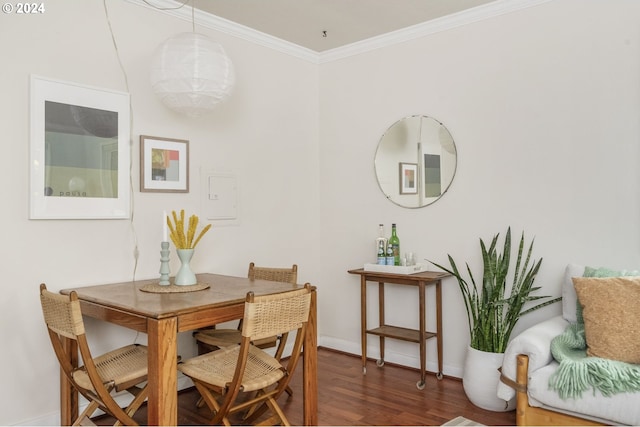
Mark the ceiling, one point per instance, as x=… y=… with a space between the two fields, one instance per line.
x=304 y=22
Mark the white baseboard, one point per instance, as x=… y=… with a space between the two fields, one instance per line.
x=410 y=360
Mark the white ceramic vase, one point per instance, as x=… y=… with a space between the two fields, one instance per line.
x=480 y=380
x=185 y=275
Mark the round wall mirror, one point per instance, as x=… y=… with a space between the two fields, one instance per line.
x=415 y=161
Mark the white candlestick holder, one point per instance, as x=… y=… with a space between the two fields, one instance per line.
x=164 y=263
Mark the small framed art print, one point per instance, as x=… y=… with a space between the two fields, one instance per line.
x=408 y=178
x=164 y=164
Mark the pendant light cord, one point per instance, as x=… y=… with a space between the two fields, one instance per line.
x=193 y=17
x=184 y=3
x=136 y=249
x=167 y=8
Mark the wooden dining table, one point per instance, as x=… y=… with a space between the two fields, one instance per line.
x=162 y=316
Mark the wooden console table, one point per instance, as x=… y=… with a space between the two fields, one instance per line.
x=420 y=280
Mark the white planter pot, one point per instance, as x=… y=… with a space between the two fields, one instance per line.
x=480 y=380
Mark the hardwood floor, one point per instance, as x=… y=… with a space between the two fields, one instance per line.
x=384 y=396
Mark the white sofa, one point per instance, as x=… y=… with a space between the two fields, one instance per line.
x=530 y=354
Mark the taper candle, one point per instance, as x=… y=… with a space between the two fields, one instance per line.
x=164 y=227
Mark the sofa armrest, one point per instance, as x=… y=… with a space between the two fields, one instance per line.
x=534 y=342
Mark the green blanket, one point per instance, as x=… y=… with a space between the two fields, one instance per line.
x=577 y=371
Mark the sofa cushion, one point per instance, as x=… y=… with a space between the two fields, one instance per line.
x=611 y=316
x=569 y=297
x=617 y=409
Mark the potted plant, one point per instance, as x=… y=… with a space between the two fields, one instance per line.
x=492 y=312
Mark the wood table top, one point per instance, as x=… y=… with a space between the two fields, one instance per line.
x=423 y=275
x=222 y=291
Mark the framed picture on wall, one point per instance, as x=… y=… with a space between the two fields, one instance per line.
x=79 y=151
x=164 y=164
x=408 y=178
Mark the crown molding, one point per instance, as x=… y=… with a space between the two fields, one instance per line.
x=213 y=22
x=203 y=19
x=469 y=16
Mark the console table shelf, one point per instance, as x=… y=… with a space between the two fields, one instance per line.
x=420 y=336
x=398 y=333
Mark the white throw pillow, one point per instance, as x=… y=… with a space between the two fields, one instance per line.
x=569 y=296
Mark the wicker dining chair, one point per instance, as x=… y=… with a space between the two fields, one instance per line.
x=220 y=376
x=212 y=339
x=121 y=369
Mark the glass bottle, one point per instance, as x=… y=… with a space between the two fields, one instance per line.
x=394 y=243
x=381 y=245
x=382 y=257
x=389 y=258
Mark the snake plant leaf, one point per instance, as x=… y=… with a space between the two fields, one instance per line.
x=493 y=313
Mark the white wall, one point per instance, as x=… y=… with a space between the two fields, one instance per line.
x=543 y=105
x=544 y=108
x=267 y=134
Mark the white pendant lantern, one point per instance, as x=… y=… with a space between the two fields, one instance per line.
x=191 y=73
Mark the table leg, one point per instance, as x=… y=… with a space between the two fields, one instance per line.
x=310 y=367
x=363 y=322
x=381 y=320
x=439 y=325
x=68 y=394
x=163 y=375
x=423 y=335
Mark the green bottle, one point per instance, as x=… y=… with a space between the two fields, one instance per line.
x=394 y=243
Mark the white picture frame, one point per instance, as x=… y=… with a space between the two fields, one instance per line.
x=79 y=151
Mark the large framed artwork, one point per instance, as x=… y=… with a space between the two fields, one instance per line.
x=164 y=164
x=79 y=151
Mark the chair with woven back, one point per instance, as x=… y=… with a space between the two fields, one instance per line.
x=220 y=376
x=212 y=339
x=122 y=369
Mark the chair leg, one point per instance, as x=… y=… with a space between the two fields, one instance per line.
x=273 y=420
x=271 y=402
x=200 y=403
x=86 y=414
x=256 y=411
x=87 y=422
x=140 y=396
x=253 y=408
x=212 y=403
